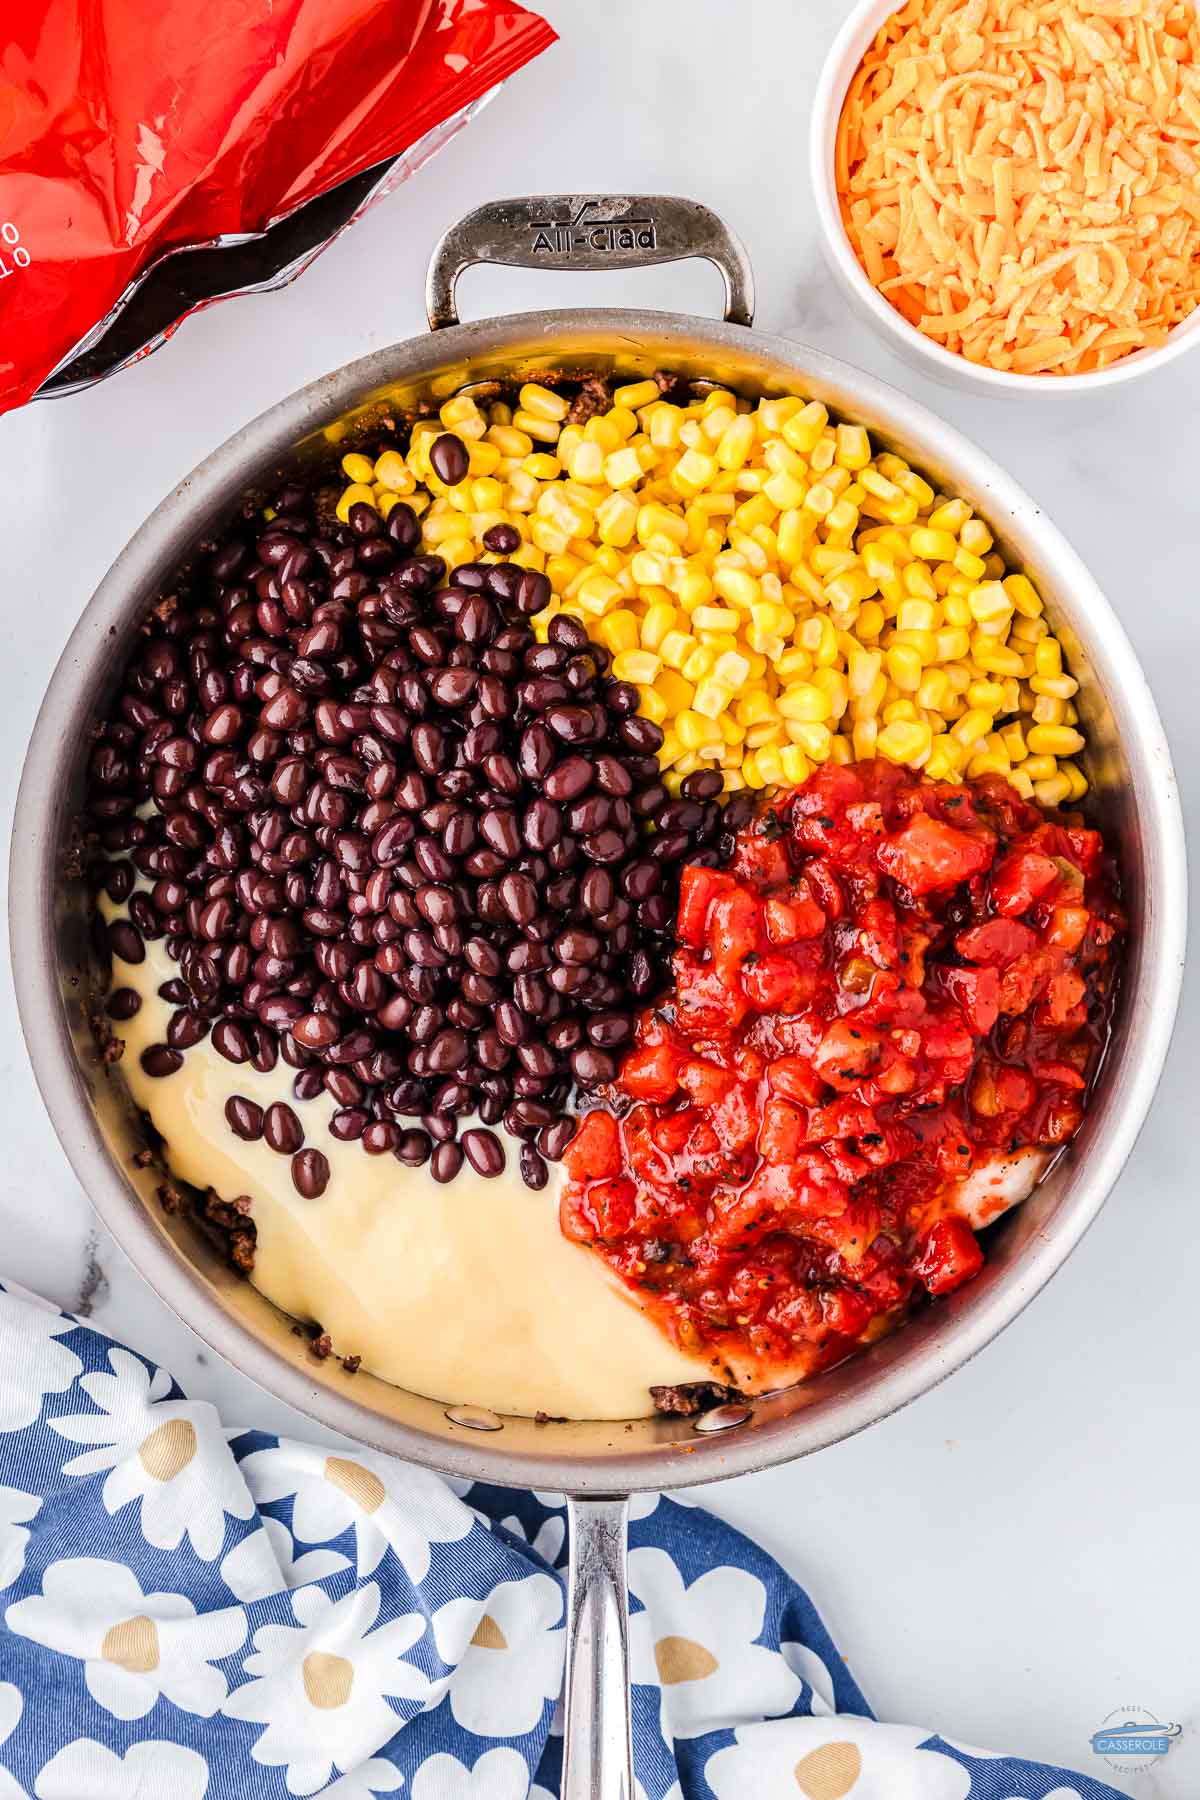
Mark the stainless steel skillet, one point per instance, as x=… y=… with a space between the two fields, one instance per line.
x=597 y=1464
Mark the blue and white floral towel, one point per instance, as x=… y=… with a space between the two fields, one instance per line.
x=192 y=1613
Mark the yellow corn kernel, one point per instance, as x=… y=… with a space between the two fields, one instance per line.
x=618 y=631
x=988 y=696
x=357 y=494
x=395 y=474
x=864 y=737
x=674 y=691
x=699 y=664
x=815 y=740
x=640 y=666
x=359 y=469
x=658 y=622
x=1054 y=740
x=803 y=700
x=738 y=587
x=1048 y=711
x=853 y=447
x=974 y=724
x=1024 y=596
x=650 y=705
x=733 y=669
x=712 y=697
x=1052 y=791
x=950 y=515
x=695 y=730
x=622 y=468
x=904 y=667
x=931 y=545
x=995 y=658
x=1013 y=739
x=597 y=594
x=636 y=394
x=542 y=402
x=934 y=691
x=675 y=648
x=693 y=471
x=715 y=618
x=736 y=442
x=973 y=567
x=944 y=760
x=616 y=520
x=907 y=741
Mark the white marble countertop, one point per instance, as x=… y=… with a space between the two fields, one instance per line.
x=1013 y=1557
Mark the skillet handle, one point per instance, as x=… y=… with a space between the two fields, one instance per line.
x=589 y=231
x=597 y=1742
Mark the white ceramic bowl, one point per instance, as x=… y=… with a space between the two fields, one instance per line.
x=863 y=21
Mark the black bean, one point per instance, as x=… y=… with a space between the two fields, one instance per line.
x=414 y=1148
x=125 y=941
x=282 y=1129
x=160 y=1060
x=124 y=1002
x=484 y=1152
x=231 y=1040
x=245 y=1117
x=447 y=1161
x=449 y=459
x=591 y=1066
x=518 y=896
x=553 y=1139
x=310 y=1173
x=502 y=539
x=534 y=1172
x=568 y=778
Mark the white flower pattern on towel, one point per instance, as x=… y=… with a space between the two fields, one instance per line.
x=168 y=1455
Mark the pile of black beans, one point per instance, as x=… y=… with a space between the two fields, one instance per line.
x=394 y=840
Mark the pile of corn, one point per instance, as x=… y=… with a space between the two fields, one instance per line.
x=781 y=593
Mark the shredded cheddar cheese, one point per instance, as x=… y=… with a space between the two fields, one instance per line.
x=1021 y=178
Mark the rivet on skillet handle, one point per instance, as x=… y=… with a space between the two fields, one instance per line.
x=597 y=1740
x=588 y=232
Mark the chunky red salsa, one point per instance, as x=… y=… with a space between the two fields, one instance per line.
x=890 y=984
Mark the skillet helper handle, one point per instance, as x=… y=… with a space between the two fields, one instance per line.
x=589 y=232
x=597 y=1740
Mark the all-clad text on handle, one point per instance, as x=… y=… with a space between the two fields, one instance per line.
x=589 y=231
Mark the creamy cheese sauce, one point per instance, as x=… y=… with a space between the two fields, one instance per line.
x=467 y=1293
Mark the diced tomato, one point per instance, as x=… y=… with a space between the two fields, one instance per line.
x=977 y=994
x=705 y=998
x=705 y=1082
x=1023 y=980
x=892 y=982
x=879 y=934
x=1019 y=879
x=595 y=1150
x=1064 y=999
x=761 y=857
x=734 y=930
x=612 y=1206
x=928 y=854
x=698 y=888
x=846 y=1053
x=796 y=1079
x=846 y=1312
x=649 y=1073
x=995 y=942
x=1068 y=927
x=776 y=983
x=949 y=1255
x=792 y=916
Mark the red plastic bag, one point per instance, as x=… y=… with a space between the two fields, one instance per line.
x=133 y=130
